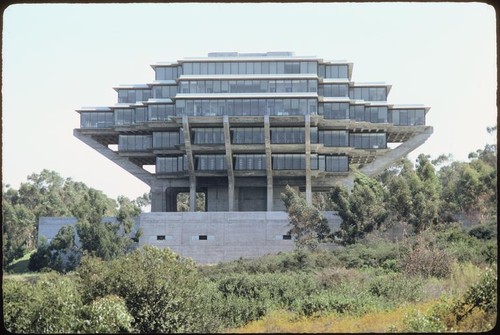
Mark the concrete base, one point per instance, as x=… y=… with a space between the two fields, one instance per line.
x=206 y=237
x=212 y=237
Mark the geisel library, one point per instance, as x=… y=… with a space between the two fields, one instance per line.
x=239 y=127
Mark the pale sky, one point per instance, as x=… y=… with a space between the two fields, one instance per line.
x=58 y=58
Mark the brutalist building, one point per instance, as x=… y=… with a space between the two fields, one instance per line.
x=238 y=128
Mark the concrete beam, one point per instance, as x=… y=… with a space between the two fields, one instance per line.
x=308 y=159
x=229 y=163
x=269 y=166
x=113 y=156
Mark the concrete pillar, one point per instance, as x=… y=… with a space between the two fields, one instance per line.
x=158 y=203
x=229 y=164
x=308 y=159
x=269 y=166
x=192 y=194
x=190 y=158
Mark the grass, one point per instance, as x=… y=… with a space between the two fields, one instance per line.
x=20 y=265
x=377 y=322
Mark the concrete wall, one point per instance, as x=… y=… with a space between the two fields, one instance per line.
x=213 y=237
x=206 y=237
x=49 y=226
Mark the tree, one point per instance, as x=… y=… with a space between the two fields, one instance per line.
x=18 y=231
x=362 y=210
x=309 y=227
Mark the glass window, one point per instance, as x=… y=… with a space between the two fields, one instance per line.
x=280 y=67
x=219 y=68
x=257 y=67
x=227 y=68
x=196 y=68
x=124 y=117
x=273 y=68
x=203 y=68
x=211 y=68
x=265 y=67
x=343 y=73
x=241 y=68
x=234 y=68
x=141 y=114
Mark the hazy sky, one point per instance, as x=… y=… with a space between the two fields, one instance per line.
x=58 y=58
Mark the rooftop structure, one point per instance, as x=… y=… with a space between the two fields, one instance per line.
x=239 y=127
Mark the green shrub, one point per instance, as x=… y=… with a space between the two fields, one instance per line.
x=484 y=232
x=108 y=315
x=396 y=288
x=162 y=291
x=422 y=323
x=483 y=294
x=281 y=289
x=370 y=252
x=51 y=305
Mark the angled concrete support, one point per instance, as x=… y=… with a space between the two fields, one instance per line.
x=269 y=166
x=383 y=162
x=123 y=162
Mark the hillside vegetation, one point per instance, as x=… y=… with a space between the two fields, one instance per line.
x=403 y=262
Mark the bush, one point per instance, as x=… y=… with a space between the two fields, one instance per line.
x=108 y=315
x=162 y=291
x=330 y=278
x=370 y=252
x=396 y=288
x=422 y=323
x=483 y=232
x=51 y=305
x=425 y=261
x=474 y=311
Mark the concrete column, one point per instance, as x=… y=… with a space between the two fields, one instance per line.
x=269 y=166
x=158 y=201
x=308 y=159
x=229 y=164
x=190 y=158
x=192 y=194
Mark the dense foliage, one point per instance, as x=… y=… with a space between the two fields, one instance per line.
x=48 y=194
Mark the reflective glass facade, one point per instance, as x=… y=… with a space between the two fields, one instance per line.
x=247 y=135
x=135 y=142
x=245 y=107
x=368 y=140
x=407 y=117
x=250 y=162
x=368 y=93
x=133 y=95
x=165 y=140
x=210 y=162
x=248 y=86
x=208 y=135
x=96 y=120
x=171 y=164
x=240 y=68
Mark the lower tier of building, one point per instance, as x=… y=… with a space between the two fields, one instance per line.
x=206 y=237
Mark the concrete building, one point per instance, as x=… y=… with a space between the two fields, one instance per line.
x=239 y=127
